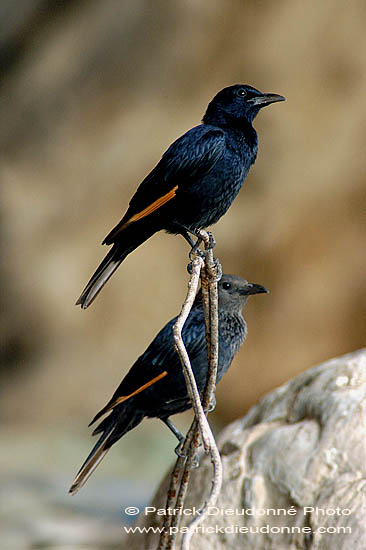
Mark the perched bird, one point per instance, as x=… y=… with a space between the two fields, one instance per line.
x=193 y=184
x=155 y=385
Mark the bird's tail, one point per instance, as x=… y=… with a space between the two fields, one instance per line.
x=111 y=262
x=117 y=424
x=102 y=274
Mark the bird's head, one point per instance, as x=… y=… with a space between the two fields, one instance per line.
x=234 y=292
x=236 y=104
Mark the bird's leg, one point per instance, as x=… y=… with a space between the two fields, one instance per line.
x=207 y=236
x=196 y=250
x=186 y=234
x=200 y=238
x=175 y=430
x=181 y=439
x=188 y=237
x=178 y=435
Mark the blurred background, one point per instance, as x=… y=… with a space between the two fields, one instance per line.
x=92 y=93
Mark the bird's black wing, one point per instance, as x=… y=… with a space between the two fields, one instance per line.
x=159 y=359
x=191 y=156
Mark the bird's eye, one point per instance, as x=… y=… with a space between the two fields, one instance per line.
x=241 y=92
x=226 y=286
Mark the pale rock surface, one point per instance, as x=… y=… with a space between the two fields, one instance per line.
x=301 y=447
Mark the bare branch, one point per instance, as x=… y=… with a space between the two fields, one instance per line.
x=196 y=264
x=209 y=271
x=178 y=477
x=210 y=274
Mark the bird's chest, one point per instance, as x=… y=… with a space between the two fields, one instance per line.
x=232 y=332
x=202 y=200
x=215 y=191
x=233 y=168
x=229 y=172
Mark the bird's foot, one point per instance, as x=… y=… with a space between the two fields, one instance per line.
x=212 y=404
x=196 y=462
x=195 y=250
x=179 y=452
x=211 y=241
x=207 y=237
x=179 y=448
x=218 y=270
x=192 y=256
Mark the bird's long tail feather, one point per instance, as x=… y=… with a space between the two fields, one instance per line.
x=95 y=457
x=132 y=238
x=103 y=273
x=117 y=424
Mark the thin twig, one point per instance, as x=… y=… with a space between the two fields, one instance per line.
x=188 y=466
x=208 y=271
x=167 y=537
x=209 y=277
x=192 y=389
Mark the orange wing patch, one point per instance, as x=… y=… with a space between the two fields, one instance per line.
x=152 y=207
x=142 y=388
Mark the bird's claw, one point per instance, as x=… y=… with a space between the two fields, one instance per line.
x=218 y=269
x=179 y=448
x=212 y=404
x=179 y=452
x=195 y=251
x=190 y=266
x=211 y=241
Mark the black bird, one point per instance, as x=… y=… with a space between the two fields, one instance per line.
x=155 y=385
x=194 y=183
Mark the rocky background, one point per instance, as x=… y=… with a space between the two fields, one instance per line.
x=293 y=470
x=91 y=95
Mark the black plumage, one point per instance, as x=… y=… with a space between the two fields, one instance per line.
x=194 y=183
x=155 y=385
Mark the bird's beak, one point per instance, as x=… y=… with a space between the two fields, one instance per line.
x=265 y=99
x=253 y=288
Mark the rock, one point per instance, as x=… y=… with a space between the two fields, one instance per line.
x=294 y=469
